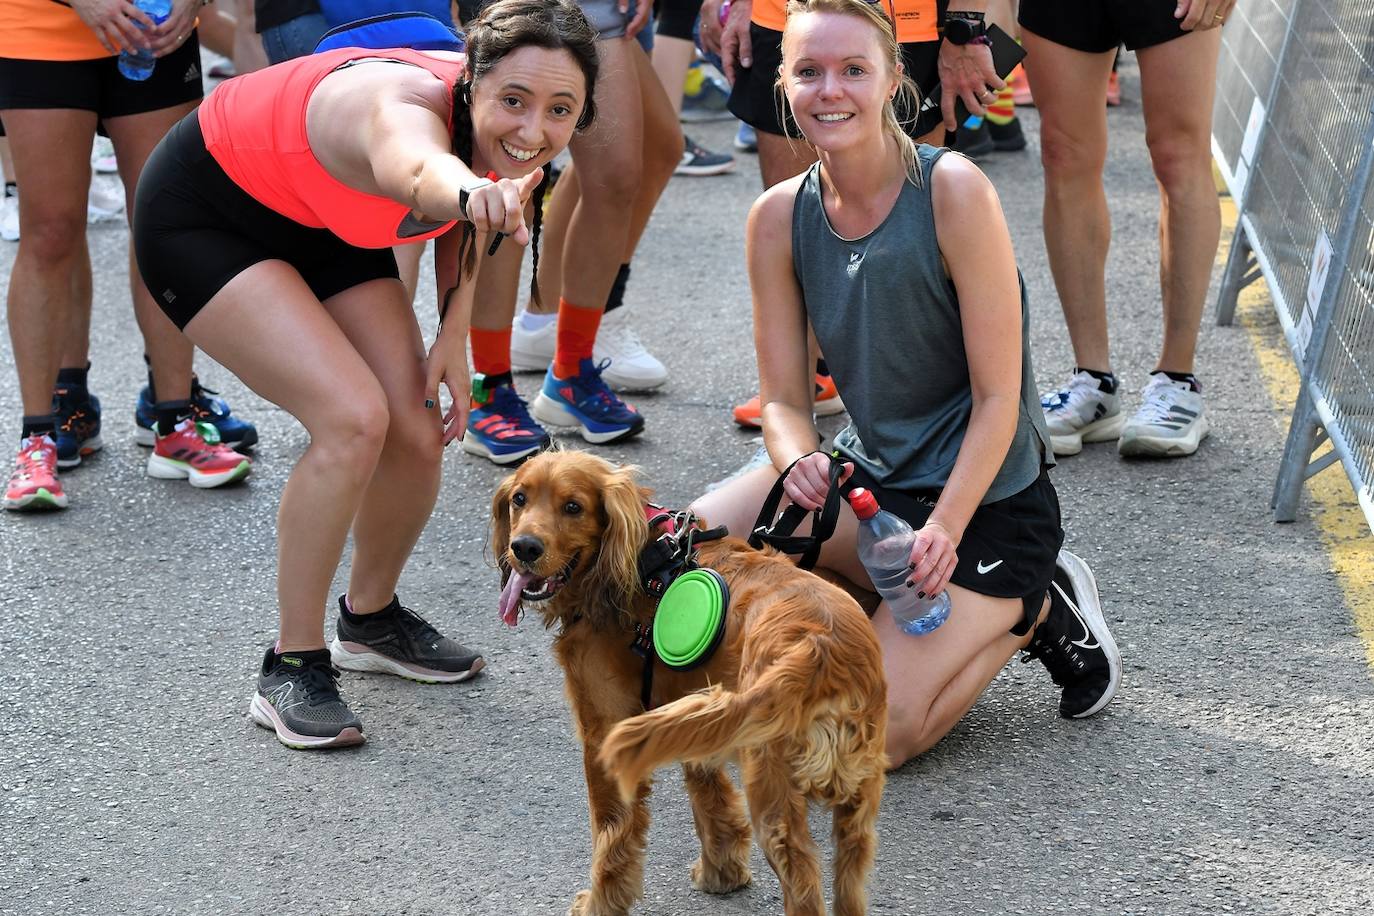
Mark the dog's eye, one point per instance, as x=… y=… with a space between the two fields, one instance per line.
x=571 y=507
x=518 y=499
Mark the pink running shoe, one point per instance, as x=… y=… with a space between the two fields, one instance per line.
x=34 y=483
x=193 y=451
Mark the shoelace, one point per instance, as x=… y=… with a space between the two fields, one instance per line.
x=320 y=683
x=202 y=400
x=623 y=338
x=416 y=627
x=598 y=393
x=507 y=404
x=1064 y=398
x=1158 y=400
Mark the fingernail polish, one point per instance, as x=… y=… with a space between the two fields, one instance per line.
x=920 y=594
x=911 y=585
x=429 y=403
x=911 y=567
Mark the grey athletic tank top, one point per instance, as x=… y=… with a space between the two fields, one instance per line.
x=887 y=319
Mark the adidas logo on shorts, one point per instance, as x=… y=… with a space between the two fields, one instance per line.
x=192 y=73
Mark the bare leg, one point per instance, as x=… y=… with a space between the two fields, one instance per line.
x=672 y=57
x=408 y=264
x=780 y=158
x=663 y=146
x=51 y=150
x=1178 y=79
x=1070 y=91
x=248 y=52
x=553 y=233
x=169 y=351
x=296 y=356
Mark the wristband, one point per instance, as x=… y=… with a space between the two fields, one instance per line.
x=724 y=12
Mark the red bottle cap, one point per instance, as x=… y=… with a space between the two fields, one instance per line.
x=864 y=503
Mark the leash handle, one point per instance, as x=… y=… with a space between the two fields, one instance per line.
x=777 y=531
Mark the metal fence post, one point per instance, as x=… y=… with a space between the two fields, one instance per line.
x=1306 y=433
x=1242 y=268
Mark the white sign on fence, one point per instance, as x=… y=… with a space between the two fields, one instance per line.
x=1316 y=283
x=1247 y=148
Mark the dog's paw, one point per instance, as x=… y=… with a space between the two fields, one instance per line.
x=720 y=879
x=581 y=905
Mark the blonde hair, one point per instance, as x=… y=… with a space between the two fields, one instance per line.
x=875 y=14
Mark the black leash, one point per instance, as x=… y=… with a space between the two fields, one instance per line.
x=778 y=532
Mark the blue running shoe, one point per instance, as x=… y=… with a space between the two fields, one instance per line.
x=77 y=413
x=585 y=401
x=500 y=427
x=208 y=407
x=746 y=139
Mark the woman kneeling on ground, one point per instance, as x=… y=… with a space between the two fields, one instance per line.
x=263 y=225
x=899 y=256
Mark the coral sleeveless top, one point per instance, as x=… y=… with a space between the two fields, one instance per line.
x=917 y=20
x=254 y=127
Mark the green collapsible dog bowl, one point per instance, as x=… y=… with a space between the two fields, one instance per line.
x=690 y=622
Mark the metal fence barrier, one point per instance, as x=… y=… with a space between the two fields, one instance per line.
x=1299 y=170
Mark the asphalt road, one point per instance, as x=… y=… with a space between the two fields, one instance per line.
x=1233 y=773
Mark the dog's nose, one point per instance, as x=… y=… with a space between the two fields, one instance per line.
x=527 y=548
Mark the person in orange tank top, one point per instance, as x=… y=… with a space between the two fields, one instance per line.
x=264 y=228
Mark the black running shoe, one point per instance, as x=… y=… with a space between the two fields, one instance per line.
x=298 y=698
x=396 y=640
x=1074 y=644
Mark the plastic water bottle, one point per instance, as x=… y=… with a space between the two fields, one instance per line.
x=137 y=64
x=885 y=550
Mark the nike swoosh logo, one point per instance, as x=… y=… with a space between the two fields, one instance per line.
x=984 y=570
x=1088 y=641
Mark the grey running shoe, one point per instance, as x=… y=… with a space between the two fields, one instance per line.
x=396 y=640
x=298 y=698
x=1074 y=643
x=1081 y=412
x=1169 y=424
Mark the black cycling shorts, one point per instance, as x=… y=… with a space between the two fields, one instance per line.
x=98 y=86
x=195 y=230
x=1097 y=26
x=757 y=101
x=678 y=18
x=1009 y=547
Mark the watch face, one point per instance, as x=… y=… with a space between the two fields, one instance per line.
x=958 y=31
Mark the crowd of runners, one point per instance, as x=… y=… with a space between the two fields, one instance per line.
x=278 y=222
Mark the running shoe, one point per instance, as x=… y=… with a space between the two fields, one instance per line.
x=9 y=215
x=193 y=452
x=1007 y=138
x=746 y=139
x=974 y=142
x=103 y=156
x=34 y=483
x=105 y=202
x=1169 y=424
x=749 y=415
x=631 y=366
x=78 y=425
x=500 y=427
x=1081 y=411
x=396 y=640
x=208 y=406
x=705 y=95
x=699 y=161
x=1113 y=90
x=298 y=698
x=585 y=401
x=1074 y=643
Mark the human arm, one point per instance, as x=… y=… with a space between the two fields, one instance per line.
x=447 y=363
x=712 y=21
x=119 y=24
x=1200 y=15
x=976 y=247
x=966 y=71
x=736 y=49
x=644 y=10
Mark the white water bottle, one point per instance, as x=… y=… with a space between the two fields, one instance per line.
x=885 y=543
x=137 y=63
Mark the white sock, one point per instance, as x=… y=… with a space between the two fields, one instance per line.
x=532 y=321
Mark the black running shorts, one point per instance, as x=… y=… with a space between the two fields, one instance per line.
x=1010 y=546
x=98 y=86
x=757 y=101
x=1097 y=26
x=195 y=230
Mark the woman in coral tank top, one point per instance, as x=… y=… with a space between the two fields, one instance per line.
x=264 y=226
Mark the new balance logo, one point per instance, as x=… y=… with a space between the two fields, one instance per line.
x=984 y=570
x=279 y=695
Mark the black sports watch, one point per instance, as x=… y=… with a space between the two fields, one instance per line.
x=964 y=27
x=466 y=191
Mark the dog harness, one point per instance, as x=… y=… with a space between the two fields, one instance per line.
x=692 y=601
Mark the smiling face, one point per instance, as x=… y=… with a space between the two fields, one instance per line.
x=836 y=77
x=525 y=109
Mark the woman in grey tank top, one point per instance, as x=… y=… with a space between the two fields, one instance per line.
x=901 y=260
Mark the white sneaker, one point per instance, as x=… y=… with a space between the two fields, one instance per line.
x=105 y=202
x=1169 y=424
x=1081 y=412
x=103 y=156
x=532 y=351
x=9 y=216
x=632 y=367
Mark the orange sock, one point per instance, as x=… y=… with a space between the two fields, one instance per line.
x=1003 y=108
x=577 y=327
x=490 y=350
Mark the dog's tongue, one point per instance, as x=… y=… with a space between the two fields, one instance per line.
x=510 y=597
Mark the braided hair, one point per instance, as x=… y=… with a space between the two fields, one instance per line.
x=503 y=27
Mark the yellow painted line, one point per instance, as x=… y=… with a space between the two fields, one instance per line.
x=1331 y=501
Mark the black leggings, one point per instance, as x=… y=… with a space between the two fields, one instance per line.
x=195 y=230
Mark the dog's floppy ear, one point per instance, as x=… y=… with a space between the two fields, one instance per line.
x=500 y=525
x=617 y=565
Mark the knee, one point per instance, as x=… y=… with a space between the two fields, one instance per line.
x=418 y=437
x=1067 y=157
x=663 y=157
x=52 y=237
x=612 y=181
x=906 y=734
x=355 y=431
x=1181 y=163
